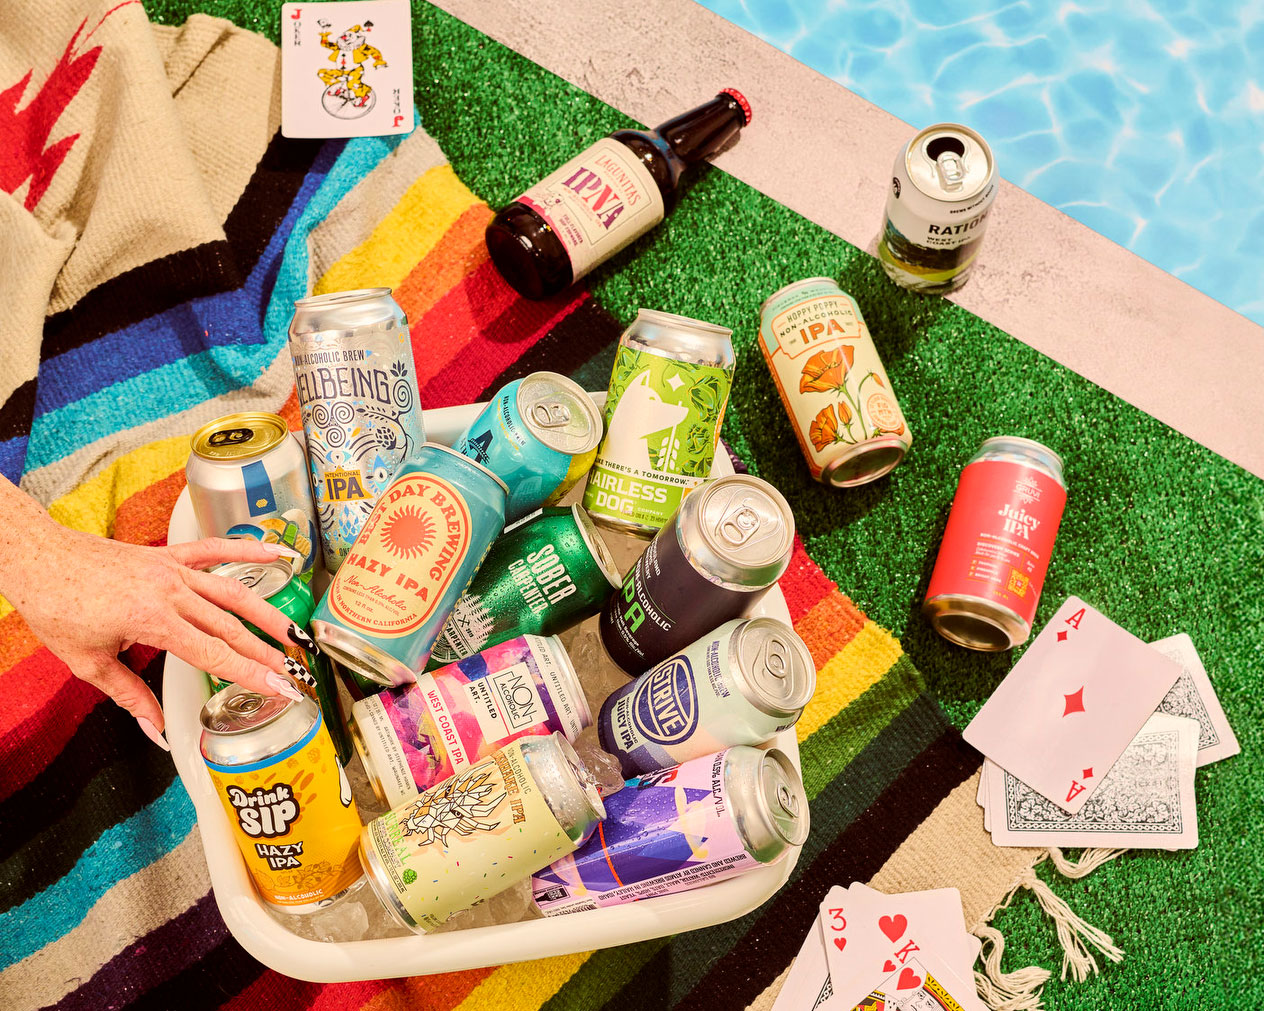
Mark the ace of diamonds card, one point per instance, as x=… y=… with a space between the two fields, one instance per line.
x=1068 y=709
x=346 y=69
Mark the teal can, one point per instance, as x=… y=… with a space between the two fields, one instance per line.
x=416 y=554
x=539 y=435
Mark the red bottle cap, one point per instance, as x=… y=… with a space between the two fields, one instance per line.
x=740 y=99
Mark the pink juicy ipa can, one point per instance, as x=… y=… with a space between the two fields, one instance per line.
x=412 y=737
x=995 y=552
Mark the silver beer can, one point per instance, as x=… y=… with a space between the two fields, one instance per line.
x=357 y=390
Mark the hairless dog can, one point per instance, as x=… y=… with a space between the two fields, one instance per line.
x=709 y=819
x=421 y=546
x=729 y=541
x=414 y=736
x=743 y=683
x=286 y=796
x=995 y=553
x=539 y=435
x=832 y=383
x=357 y=392
x=480 y=831
x=547 y=572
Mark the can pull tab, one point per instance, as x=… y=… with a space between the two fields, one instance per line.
x=788 y=801
x=775 y=659
x=740 y=526
x=951 y=169
x=550 y=415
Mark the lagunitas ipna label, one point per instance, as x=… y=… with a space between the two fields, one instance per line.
x=597 y=203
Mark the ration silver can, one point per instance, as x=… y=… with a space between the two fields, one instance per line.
x=357 y=390
x=943 y=186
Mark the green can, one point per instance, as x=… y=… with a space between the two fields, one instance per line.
x=545 y=573
x=276 y=583
x=668 y=391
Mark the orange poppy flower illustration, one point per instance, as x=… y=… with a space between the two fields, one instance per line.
x=824 y=428
x=824 y=371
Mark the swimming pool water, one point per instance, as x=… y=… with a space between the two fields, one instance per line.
x=1143 y=119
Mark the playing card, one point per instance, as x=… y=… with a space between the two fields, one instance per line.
x=1193 y=696
x=1071 y=704
x=346 y=69
x=808 y=986
x=1146 y=801
x=923 y=983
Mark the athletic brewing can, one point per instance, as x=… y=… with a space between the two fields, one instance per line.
x=668 y=392
x=743 y=683
x=728 y=542
x=539 y=435
x=942 y=188
x=287 y=798
x=292 y=597
x=248 y=478
x=709 y=819
x=481 y=831
x=992 y=562
x=546 y=573
x=832 y=383
x=357 y=389
x=417 y=735
x=415 y=556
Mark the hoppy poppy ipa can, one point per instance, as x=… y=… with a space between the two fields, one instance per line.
x=832 y=383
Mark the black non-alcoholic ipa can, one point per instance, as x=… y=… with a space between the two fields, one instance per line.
x=727 y=543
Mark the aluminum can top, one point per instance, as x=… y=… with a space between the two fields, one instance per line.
x=559 y=413
x=240 y=727
x=667 y=331
x=239 y=436
x=738 y=528
x=1016 y=449
x=949 y=162
x=807 y=282
x=566 y=784
x=597 y=547
x=774 y=668
x=772 y=806
x=346 y=310
x=265 y=578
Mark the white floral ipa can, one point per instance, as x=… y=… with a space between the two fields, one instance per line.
x=832 y=383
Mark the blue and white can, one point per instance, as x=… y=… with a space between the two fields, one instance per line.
x=415 y=556
x=745 y=682
x=539 y=435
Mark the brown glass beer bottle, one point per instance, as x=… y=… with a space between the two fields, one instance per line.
x=606 y=197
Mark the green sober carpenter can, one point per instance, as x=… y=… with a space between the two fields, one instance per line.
x=539 y=435
x=275 y=583
x=668 y=391
x=544 y=574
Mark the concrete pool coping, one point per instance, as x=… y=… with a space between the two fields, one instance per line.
x=1043 y=277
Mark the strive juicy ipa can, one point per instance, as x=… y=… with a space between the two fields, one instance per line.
x=357 y=390
x=992 y=562
x=287 y=798
x=709 y=819
x=414 y=736
x=668 y=391
x=480 y=831
x=832 y=383
x=415 y=556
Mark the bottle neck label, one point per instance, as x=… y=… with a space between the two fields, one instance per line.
x=597 y=203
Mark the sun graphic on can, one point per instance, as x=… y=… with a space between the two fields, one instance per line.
x=408 y=533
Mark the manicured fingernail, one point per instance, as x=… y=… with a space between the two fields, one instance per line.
x=301 y=638
x=275 y=550
x=282 y=685
x=298 y=672
x=152 y=733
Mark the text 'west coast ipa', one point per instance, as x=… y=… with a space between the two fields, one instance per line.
x=606 y=197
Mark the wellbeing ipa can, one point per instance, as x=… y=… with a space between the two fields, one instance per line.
x=992 y=561
x=668 y=391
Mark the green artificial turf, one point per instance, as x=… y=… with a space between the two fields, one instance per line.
x=1159 y=533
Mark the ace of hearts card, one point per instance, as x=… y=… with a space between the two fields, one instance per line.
x=346 y=69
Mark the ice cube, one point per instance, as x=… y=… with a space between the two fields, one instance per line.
x=598 y=674
x=479 y=915
x=603 y=766
x=513 y=904
x=347 y=919
x=366 y=803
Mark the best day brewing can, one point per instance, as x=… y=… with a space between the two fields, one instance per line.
x=481 y=831
x=286 y=796
x=415 y=556
x=832 y=383
x=992 y=561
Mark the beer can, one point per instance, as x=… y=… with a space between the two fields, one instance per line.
x=357 y=391
x=995 y=552
x=832 y=383
x=743 y=683
x=943 y=186
x=668 y=831
x=729 y=541
x=248 y=478
x=286 y=796
x=539 y=435
x=417 y=553
x=480 y=831
x=292 y=597
x=668 y=392
x=544 y=574
x=417 y=735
